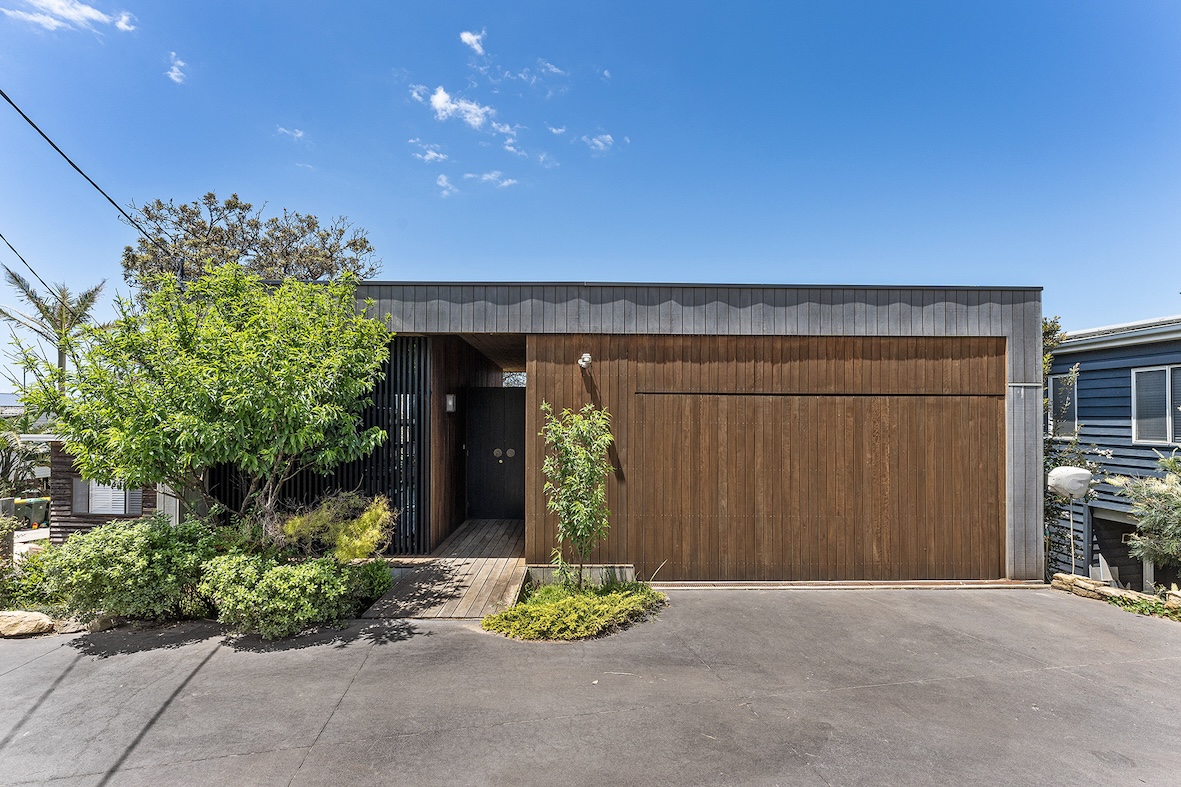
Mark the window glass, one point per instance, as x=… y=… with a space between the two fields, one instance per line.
x=1152 y=414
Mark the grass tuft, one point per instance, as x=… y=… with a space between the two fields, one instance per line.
x=562 y=612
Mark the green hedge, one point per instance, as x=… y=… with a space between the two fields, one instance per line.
x=145 y=568
x=258 y=594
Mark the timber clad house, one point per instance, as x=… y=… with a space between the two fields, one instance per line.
x=761 y=432
x=1125 y=402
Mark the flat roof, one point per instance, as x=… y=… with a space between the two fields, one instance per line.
x=698 y=284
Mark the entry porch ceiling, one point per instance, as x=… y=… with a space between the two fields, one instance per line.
x=506 y=350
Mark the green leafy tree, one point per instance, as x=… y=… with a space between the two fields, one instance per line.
x=1156 y=504
x=19 y=461
x=576 y=469
x=221 y=369
x=1062 y=451
x=188 y=238
x=56 y=317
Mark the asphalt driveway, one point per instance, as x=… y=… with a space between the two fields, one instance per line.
x=760 y=687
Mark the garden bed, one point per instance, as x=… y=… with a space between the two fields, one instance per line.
x=561 y=611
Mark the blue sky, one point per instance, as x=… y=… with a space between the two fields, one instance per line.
x=1010 y=143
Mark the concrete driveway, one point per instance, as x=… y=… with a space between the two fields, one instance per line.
x=760 y=687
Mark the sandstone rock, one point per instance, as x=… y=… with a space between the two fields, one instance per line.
x=1058 y=584
x=18 y=623
x=1067 y=579
x=104 y=622
x=69 y=626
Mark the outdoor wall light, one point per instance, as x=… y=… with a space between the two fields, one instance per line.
x=585 y=361
x=449 y=402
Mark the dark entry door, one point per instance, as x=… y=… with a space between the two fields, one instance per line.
x=496 y=453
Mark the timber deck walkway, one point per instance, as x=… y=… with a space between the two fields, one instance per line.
x=477 y=571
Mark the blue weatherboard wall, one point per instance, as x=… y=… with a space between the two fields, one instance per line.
x=1104 y=395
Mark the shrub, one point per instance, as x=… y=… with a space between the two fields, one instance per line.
x=563 y=612
x=369 y=581
x=1156 y=504
x=23 y=585
x=145 y=568
x=346 y=525
x=257 y=594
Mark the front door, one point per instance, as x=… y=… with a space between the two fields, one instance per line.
x=496 y=453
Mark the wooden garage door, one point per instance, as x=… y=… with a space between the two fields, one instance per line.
x=819 y=487
x=792 y=458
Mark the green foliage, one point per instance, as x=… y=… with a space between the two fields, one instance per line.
x=145 y=568
x=223 y=369
x=56 y=317
x=369 y=581
x=190 y=238
x=1156 y=504
x=576 y=469
x=1141 y=606
x=564 y=612
x=345 y=524
x=257 y=594
x=18 y=463
x=1060 y=452
x=24 y=585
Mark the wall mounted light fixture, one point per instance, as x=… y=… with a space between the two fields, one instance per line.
x=585 y=361
x=449 y=402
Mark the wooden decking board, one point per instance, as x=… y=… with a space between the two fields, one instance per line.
x=478 y=570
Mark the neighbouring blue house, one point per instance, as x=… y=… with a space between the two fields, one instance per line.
x=1126 y=403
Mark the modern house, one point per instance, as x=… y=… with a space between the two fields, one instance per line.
x=761 y=432
x=1125 y=402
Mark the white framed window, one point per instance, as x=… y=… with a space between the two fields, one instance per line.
x=1156 y=395
x=91 y=497
x=1063 y=416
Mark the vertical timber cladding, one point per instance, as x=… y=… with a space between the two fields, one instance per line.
x=400 y=406
x=789 y=458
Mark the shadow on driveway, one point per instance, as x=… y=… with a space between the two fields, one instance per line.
x=140 y=637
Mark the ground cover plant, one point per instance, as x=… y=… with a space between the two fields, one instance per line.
x=563 y=611
x=1150 y=607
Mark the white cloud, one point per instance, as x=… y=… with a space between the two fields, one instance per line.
x=45 y=20
x=428 y=152
x=56 y=14
x=496 y=178
x=550 y=68
x=418 y=92
x=175 y=73
x=474 y=41
x=606 y=74
x=469 y=111
x=305 y=166
x=446 y=189
x=295 y=134
x=547 y=161
x=553 y=130
x=600 y=143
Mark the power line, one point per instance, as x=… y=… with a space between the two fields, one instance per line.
x=89 y=180
x=50 y=290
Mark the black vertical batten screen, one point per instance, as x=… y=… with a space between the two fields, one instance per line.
x=396 y=468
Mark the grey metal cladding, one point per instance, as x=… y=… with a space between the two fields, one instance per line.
x=440 y=307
